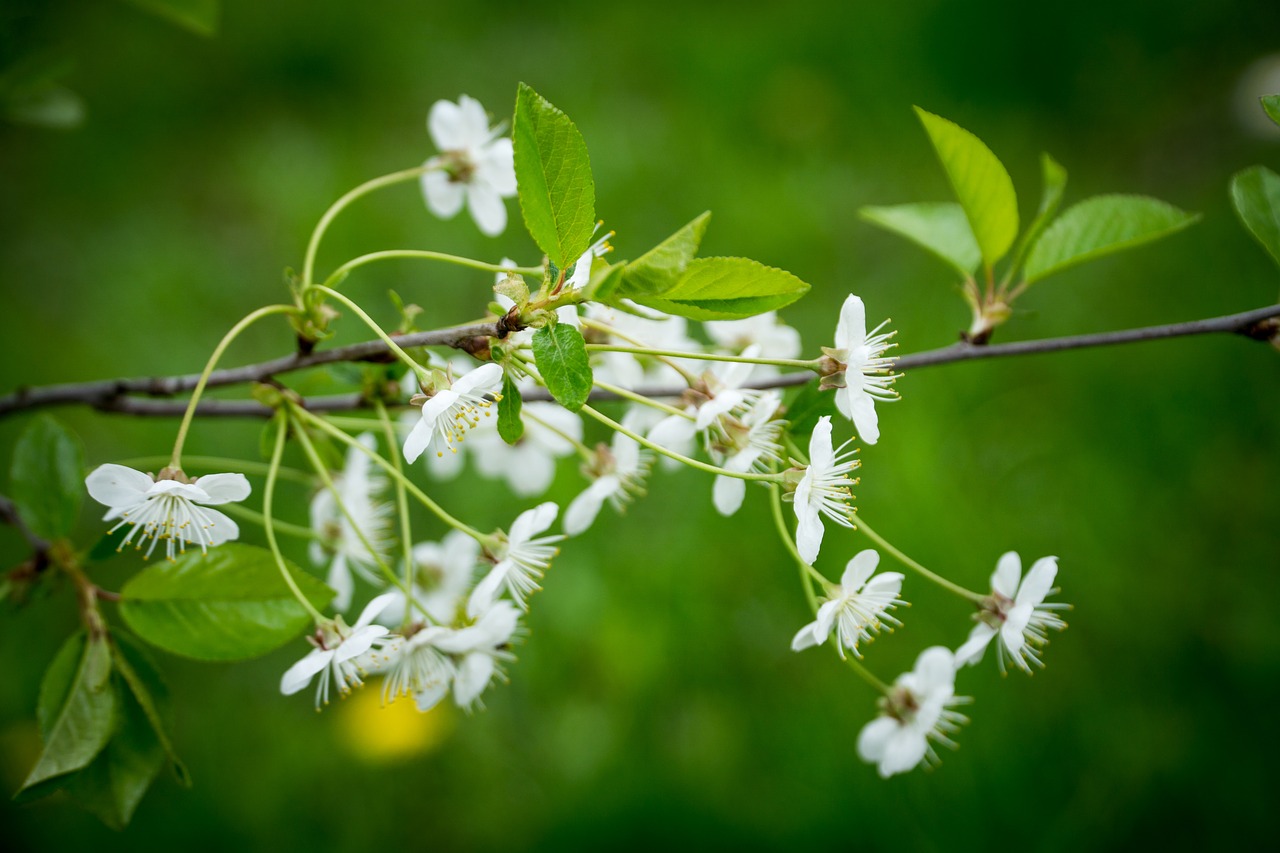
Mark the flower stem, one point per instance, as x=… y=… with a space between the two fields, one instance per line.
x=856 y=666
x=268 y=496
x=808 y=574
x=377 y=330
x=671 y=454
x=913 y=565
x=313 y=245
x=641 y=399
x=402 y=499
x=704 y=356
x=399 y=476
x=253 y=317
x=583 y=451
x=393 y=254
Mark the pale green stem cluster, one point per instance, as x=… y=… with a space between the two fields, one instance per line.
x=268 y=498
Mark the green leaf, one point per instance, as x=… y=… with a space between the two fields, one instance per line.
x=1100 y=226
x=561 y=355
x=728 y=289
x=605 y=285
x=1271 y=106
x=113 y=784
x=76 y=712
x=982 y=186
x=148 y=690
x=230 y=604
x=658 y=269
x=553 y=175
x=940 y=227
x=510 y=427
x=1256 y=195
x=198 y=16
x=47 y=477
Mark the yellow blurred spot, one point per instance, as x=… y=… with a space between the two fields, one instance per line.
x=392 y=733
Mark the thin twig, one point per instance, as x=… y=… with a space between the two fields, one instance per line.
x=9 y=515
x=113 y=395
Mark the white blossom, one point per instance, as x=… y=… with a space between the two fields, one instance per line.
x=745 y=444
x=475 y=165
x=479 y=647
x=359 y=489
x=823 y=490
x=448 y=414
x=855 y=607
x=771 y=337
x=529 y=465
x=859 y=370
x=619 y=473
x=1015 y=612
x=916 y=710
x=522 y=560
x=336 y=649
x=442 y=573
x=170 y=508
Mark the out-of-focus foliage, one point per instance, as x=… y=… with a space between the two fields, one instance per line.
x=656 y=699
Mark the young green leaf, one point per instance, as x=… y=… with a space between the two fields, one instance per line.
x=1271 y=106
x=47 y=477
x=658 y=269
x=939 y=227
x=198 y=16
x=982 y=186
x=561 y=355
x=1101 y=226
x=1055 y=182
x=230 y=604
x=728 y=289
x=148 y=690
x=1256 y=195
x=510 y=427
x=76 y=712
x=553 y=175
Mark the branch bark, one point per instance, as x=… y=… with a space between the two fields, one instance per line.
x=122 y=395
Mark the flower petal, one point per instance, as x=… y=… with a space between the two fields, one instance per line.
x=485 y=379
x=219 y=528
x=586 y=506
x=300 y=674
x=495 y=165
x=443 y=195
x=486 y=591
x=418 y=440
x=805 y=638
x=224 y=488
x=341 y=582
x=861 y=567
x=531 y=522
x=1008 y=571
x=473 y=677
x=445 y=124
x=1038 y=582
x=374 y=609
x=727 y=494
x=873 y=740
x=851 y=329
x=487 y=209
x=972 y=650
x=430 y=696
x=117 y=486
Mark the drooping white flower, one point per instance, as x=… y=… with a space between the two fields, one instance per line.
x=359 y=489
x=336 y=648
x=1017 y=613
x=619 y=472
x=859 y=370
x=916 y=710
x=474 y=166
x=415 y=666
x=724 y=388
x=172 y=507
x=529 y=465
x=442 y=578
x=478 y=648
x=451 y=412
x=744 y=444
x=522 y=560
x=823 y=490
x=855 y=607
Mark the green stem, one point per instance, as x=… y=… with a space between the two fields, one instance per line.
x=176 y=459
x=808 y=574
x=913 y=565
x=320 y=423
x=260 y=519
x=704 y=356
x=641 y=399
x=583 y=451
x=313 y=245
x=671 y=454
x=393 y=254
x=268 y=496
x=861 y=670
x=377 y=330
x=402 y=499
x=219 y=463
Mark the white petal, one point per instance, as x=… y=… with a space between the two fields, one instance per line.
x=117 y=486
x=224 y=488
x=805 y=638
x=221 y=528
x=360 y=641
x=821 y=453
x=727 y=494
x=430 y=696
x=485 y=379
x=495 y=165
x=444 y=196
x=300 y=674
x=486 y=591
x=935 y=668
x=675 y=433
x=531 y=522
x=873 y=740
x=862 y=411
x=1008 y=571
x=374 y=609
x=473 y=677
x=809 y=531
x=341 y=582
x=585 y=507
x=418 y=440
x=851 y=329
x=473 y=123
x=857 y=570
x=487 y=209
x=903 y=751
x=533 y=473
x=445 y=124
x=974 y=647
x=1038 y=582
x=826 y=618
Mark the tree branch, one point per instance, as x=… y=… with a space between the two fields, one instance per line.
x=113 y=395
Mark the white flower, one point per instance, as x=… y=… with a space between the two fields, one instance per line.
x=522 y=560
x=619 y=471
x=581 y=275
x=442 y=578
x=416 y=667
x=474 y=166
x=855 y=607
x=480 y=646
x=629 y=330
x=724 y=387
x=916 y=710
x=336 y=647
x=450 y=412
x=529 y=465
x=823 y=490
x=1016 y=612
x=859 y=370
x=359 y=487
x=745 y=444
x=168 y=508
x=772 y=337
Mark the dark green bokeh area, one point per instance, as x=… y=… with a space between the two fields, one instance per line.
x=656 y=701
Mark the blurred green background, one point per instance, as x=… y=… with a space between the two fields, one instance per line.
x=656 y=701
